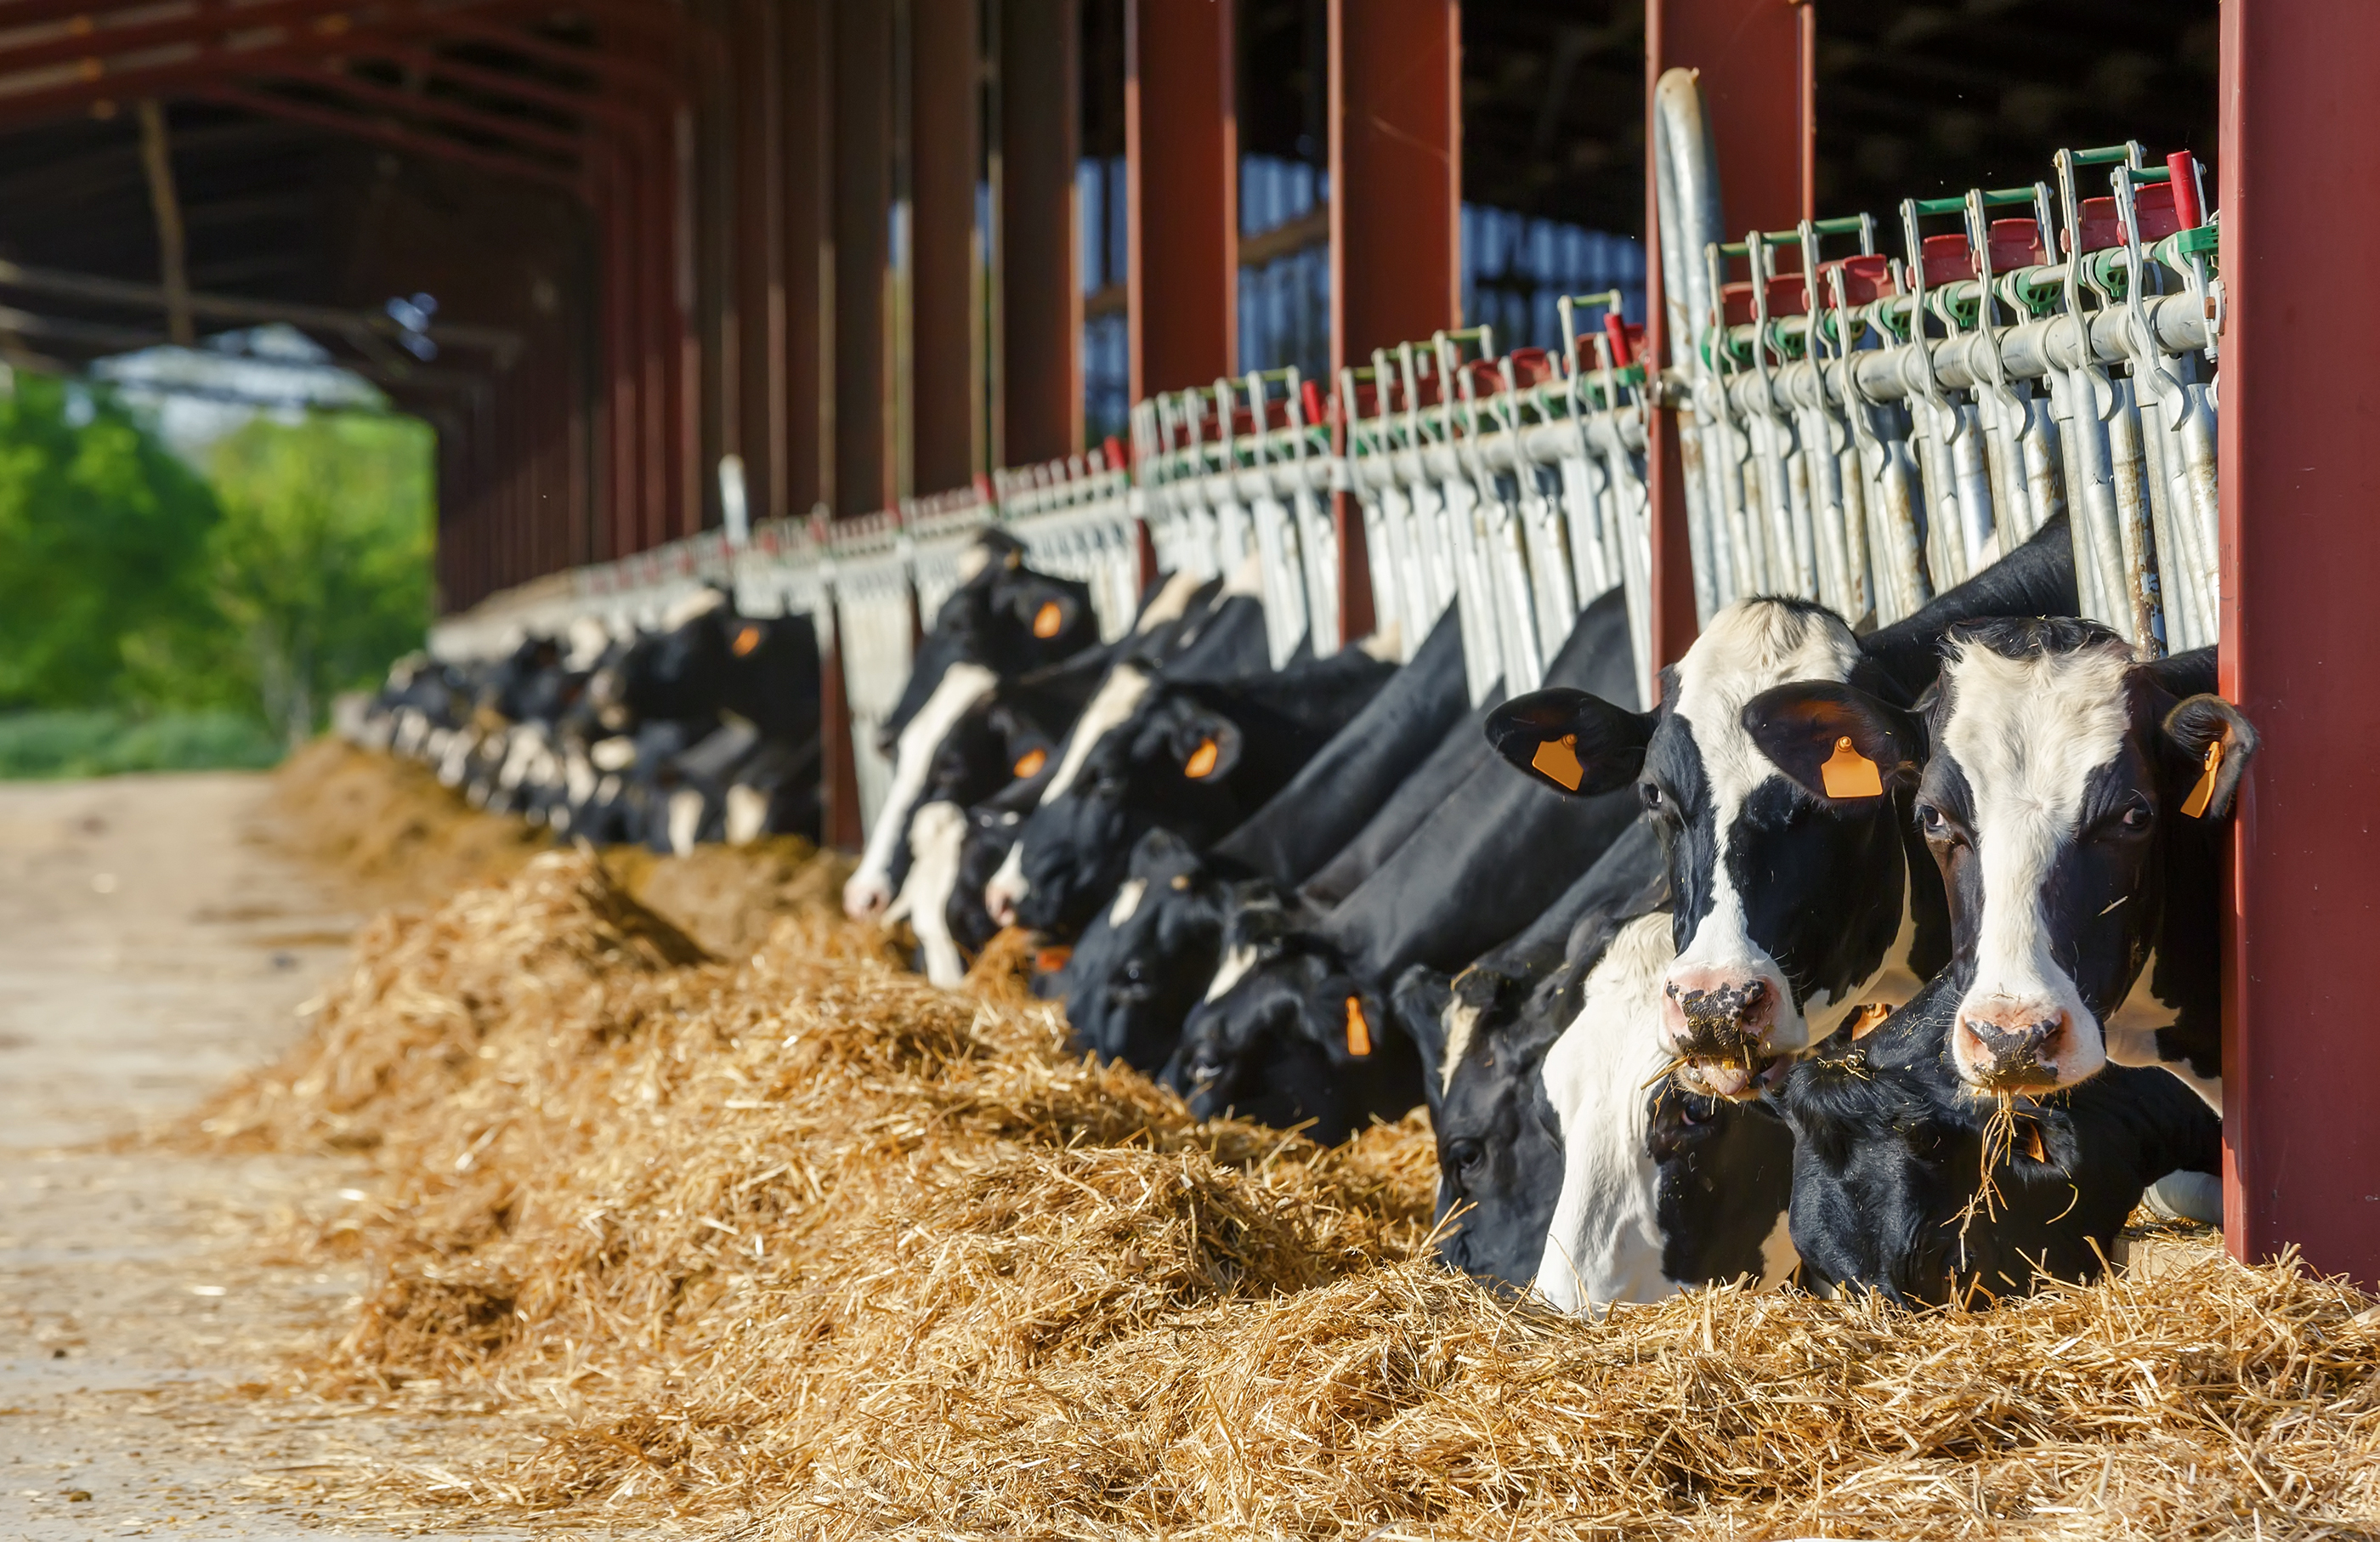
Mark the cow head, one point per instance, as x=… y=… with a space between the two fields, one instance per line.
x=1144 y=961
x=1287 y=1035
x=1004 y=617
x=1484 y=1037
x=1786 y=903
x=2057 y=772
x=1890 y=1152
x=1144 y=755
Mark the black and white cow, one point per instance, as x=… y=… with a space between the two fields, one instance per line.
x=1482 y=1036
x=1789 y=911
x=1891 y=1146
x=2074 y=799
x=1143 y=960
x=1004 y=620
x=1154 y=750
x=1293 y=997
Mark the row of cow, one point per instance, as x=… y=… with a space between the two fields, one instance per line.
x=1884 y=961
x=703 y=727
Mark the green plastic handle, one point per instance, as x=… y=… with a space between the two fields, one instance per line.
x=1924 y=206
x=2106 y=155
x=2007 y=198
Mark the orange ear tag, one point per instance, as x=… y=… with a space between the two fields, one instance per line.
x=1030 y=762
x=1048 y=619
x=2195 y=804
x=1359 y=1033
x=1557 y=760
x=746 y=640
x=1201 y=761
x=1048 y=961
x=1847 y=774
x=1867 y=1019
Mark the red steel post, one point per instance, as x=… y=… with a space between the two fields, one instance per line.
x=1396 y=205
x=1041 y=245
x=2300 y=141
x=1182 y=173
x=809 y=423
x=861 y=149
x=945 y=157
x=1755 y=60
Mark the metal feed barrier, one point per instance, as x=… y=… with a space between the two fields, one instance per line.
x=1858 y=426
x=1867 y=429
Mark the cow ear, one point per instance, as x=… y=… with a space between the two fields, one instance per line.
x=1207 y=747
x=1842 y=744
x=2216 y=741
x=1577 y=744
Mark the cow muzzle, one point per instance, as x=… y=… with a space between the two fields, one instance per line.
x=866 y=896
x=1717 y=1023
x=2011 y=1044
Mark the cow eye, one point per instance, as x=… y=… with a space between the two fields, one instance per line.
x=1651 y=798
x=1462 y=1156
x=1935 y=823
x=2137 y=814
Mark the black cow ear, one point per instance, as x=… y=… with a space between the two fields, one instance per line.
x=2216 y=741
x=1839 y=743
x=1577 y=744
x=1207 y=746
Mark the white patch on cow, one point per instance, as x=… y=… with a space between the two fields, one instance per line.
x=456 y=763
x=578 y=777
x=1171 y=601
x=1778 y=1256
x=412 y=730
x=684 y=819
x=1237 y=962
x=972 y=561
x=1110 y=707
x=1604 y=1244
x=962 y=686
x=589 y=640
x=608 y=789
x=521 y=751
x=402 y=673
x=748 y=814
x=1387 y=644
x=694 y=607
x=1008 y=888
x=2028 y=734
x=2130 y=1033
x=1127 y=901
x=1247 y=578
x=1461 y=1020
x=937 y=836
x=615 y=754
x=1752 y=646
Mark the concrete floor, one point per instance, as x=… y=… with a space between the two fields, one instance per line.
x=152 y=945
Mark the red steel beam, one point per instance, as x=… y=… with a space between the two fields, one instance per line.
x=1396 y=204
x=1041 y=240
x=861 y=148
x=533 y=135
x=760 y=261
x=1182 y=161
x=394 y=136
x=946 y=156
x=2300 y=132
x=809 y=426
x=1756 y=61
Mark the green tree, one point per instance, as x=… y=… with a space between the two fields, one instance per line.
x=102 y=536
x=321 y=562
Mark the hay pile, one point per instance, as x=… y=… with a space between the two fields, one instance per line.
x=806 y=1246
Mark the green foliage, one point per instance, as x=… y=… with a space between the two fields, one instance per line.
x=101 y=742
x=148 y=619
x=321 y=560
x=102 y=538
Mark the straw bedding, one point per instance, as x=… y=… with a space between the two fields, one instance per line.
x=796 y=1245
